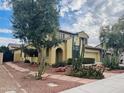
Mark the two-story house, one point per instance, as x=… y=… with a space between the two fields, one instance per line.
x=63 y=51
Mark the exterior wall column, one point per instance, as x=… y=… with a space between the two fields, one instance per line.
x=1 y=58
x=52 y=56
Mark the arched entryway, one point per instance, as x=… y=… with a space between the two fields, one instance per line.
x=59 y=55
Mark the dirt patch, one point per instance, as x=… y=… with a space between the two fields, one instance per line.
x=34 y=68
x=26 y=65
x=40 y=86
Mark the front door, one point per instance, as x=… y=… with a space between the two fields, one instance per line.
x=59 y=55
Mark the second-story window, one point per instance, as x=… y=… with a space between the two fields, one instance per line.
x=62 y=35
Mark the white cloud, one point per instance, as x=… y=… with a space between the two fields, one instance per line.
x=5 y=31
x=94 y=41
x=6 y=41
x=63 y=10
x=119 y=7
x=71 y=5
x=85 y=22
x=94 y=35
x=89 y=15
x=110 y=2
x=5 y=5
x=77 y=4
x=93 y=14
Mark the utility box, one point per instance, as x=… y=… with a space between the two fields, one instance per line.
x=1 y=58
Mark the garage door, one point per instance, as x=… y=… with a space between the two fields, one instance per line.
x=94 y=55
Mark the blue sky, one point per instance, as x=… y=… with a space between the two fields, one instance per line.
x=5 y=19
x=75 y=16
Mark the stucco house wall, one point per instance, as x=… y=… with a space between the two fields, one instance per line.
x=92 y=53
x=1 y=58
x=18 y=56
x=66 y=49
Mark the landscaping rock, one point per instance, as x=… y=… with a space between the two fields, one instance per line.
x=60 y=69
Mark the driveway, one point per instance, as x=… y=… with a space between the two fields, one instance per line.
x=114 y=84
x=7 y=82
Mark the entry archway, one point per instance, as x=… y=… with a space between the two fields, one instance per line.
x=59 y=55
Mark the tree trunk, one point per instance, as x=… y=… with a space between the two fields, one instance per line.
x=41 y=61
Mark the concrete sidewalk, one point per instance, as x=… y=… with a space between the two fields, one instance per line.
x=114 y=84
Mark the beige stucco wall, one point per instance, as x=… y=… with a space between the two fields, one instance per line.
x=69 y=49
x=62 y=35
x=52 y=57
x=91 y=53
x=17 y=56
x=67 y=53
x=66 y=47
x=1 y=58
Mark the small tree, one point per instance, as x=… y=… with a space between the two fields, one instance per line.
x=113 y=37
x=36 y=22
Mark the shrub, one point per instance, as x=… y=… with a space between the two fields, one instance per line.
x=111 y=63
x=47 y=64
x=90 y=72
x=85 y=61
x=26 y=61
x=69 y=61
x=114 y=63
x=77 y=64
x=89 y=61
x=59 y=64
x=106 y=61
x=121 y=68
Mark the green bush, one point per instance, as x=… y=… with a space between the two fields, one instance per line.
x=121 y=68
x=88 y=72
x=69 y=61
x=59 y=64
x=85 y=61
x=89 y=61
x=111 y=63
x=27 y=61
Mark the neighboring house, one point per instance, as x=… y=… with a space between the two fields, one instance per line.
x=63 y=51
x=12 y=46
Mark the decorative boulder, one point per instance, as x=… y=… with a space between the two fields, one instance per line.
x=60 y=69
